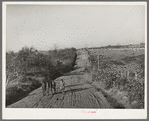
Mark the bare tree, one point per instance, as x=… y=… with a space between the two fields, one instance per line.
x=55 y=46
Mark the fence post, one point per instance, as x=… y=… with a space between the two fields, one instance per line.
x=135 y=75
x=91 y=76
x=98 y=61
x=122 y=74
x=127 y=75
x=98 y=64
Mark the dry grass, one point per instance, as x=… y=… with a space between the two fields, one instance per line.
x=114 y=62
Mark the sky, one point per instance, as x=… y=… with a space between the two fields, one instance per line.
x=65 y=26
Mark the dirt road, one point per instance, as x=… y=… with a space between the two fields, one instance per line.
x=79 y=92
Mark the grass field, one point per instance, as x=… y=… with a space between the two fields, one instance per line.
x=121 y=70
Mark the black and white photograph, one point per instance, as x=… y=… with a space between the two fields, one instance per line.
x=74 y=60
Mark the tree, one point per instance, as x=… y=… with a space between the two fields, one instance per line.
x=55 y=46
x=11 y=65
x=22 y=57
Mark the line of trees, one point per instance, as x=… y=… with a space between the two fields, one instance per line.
x=30 y=61
x=25 y=69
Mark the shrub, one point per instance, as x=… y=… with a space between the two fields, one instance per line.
x=19 y=88
x=109 y=75
x=54 y=63
x=133 y=87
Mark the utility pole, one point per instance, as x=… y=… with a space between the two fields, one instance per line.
x=135 y=75
x=98 y=60
x=127 y=74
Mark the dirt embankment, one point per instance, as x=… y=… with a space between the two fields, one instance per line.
x=80 y=91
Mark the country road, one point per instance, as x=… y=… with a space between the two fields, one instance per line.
x=80 y=91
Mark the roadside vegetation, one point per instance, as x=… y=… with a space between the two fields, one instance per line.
x=121 y=74
x=26 y=69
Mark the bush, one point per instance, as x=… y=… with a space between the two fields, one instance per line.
x=65 y=59
x=134 y=88
x=19 y=88
x=110 y=77
x=54 y=63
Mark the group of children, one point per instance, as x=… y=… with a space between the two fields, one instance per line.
x=48 y=83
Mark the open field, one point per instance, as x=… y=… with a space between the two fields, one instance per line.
x=121 y=71
x=119 y=51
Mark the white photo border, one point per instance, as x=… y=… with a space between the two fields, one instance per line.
x=34 y=113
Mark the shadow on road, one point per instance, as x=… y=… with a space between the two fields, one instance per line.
x=75 y=73
x=73 y=90
x=76 y=85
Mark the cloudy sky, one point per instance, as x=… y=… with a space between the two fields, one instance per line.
x=43 y=26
